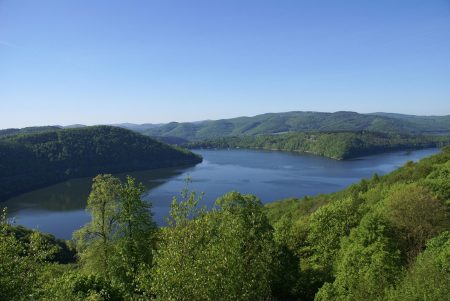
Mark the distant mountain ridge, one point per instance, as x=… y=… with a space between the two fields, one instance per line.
x=275 y=123
x=138 y=127
x=27 y=130
x=299 y=121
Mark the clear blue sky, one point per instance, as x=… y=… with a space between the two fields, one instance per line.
x=92 y=62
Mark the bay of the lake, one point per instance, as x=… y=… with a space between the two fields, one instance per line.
x=59 y=209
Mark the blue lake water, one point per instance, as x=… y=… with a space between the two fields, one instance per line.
x=59 y=209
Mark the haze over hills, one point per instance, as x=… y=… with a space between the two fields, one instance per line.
x=27 y=130
x=138 y=127
x=276 y=123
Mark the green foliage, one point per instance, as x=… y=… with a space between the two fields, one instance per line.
x=326 y=227
x=173 y=274
x=75 y=286
x=438 y=181
x=286 y=260
x=368 y=263
x=136 y=235
x=335 y=145
x=16 y=270
x=225 y=254
x=120 y=238
x=21 y=263
x=62 y=251
x=31 y=161
x=95 y=240
x=428 y=278
x=415 y=216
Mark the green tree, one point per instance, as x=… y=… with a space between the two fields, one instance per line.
x=367 y=265
x=225 y=254
x=17 y=273
x=415 y=216
x=438 y=182
x=253 y=246
x=326 y=227
x=95 y=240
x=21 y=263
x=120 y=238
x=286 y=260
x=76 y=286
x=173 y=276
x=136 y=234
x=428 y=278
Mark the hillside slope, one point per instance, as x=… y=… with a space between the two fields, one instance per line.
x=35 y=160
x=273 y=123
x=370 y=241
x=340 y=146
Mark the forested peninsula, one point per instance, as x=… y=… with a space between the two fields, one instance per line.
x=335 y=145
x=30 y=161
x=384 y=238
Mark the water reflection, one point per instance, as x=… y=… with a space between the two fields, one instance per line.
x=72 y=194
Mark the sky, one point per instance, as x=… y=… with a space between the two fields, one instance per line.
x=103 y=61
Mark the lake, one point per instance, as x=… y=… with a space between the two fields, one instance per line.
x=59 y=209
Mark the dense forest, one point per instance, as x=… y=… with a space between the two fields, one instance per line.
x=384 y=238
x=30 y=161
x=28 y=130
x=340 y=145
x=274 y=123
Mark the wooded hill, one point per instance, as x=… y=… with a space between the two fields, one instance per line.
x=27 y=130
x=341 y=145
x=30 y=161
x=384 y=238
x=273 y=123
